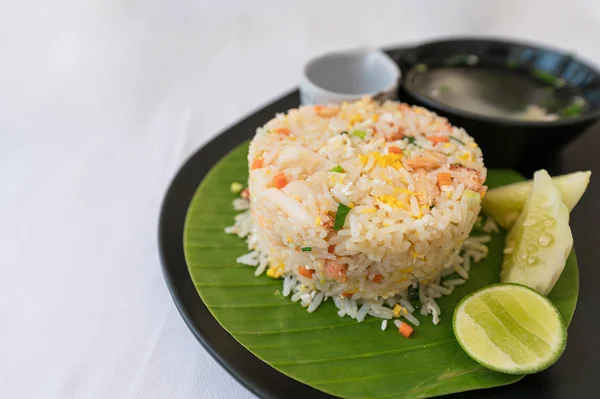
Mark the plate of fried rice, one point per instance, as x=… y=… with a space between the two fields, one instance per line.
x=324 y=256
x=363 y=203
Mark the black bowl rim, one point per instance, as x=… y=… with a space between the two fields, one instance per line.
x=588 y=117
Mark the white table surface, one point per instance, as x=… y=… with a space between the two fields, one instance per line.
x=100 y=102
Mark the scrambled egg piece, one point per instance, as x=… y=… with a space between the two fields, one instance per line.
x=276 y=271
x=466 y=156
x=391 y=201
x=391 y=159
x=356 y=118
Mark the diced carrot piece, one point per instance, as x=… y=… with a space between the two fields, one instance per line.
x=331 y=249
x=405 y=330
x=347 y=294
x=444 y=179
x=283 y=130
x=377 y=278
x=304 y=272
x=394 y=150
x=438 y=139
x=257 y=163
x=280 y=181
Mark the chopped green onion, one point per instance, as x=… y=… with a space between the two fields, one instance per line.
x=359 y=133
x=306 y=249
x=572 y=110
x=236 y=187
x=337 y=169
x=411 y=140
x=544 y=76
x=457 y=140
x=340 y=217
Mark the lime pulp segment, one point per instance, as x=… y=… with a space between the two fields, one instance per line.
x=510 y=328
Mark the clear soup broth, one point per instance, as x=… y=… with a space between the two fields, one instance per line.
x=497 y=92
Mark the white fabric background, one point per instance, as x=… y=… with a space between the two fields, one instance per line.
x=100 y=102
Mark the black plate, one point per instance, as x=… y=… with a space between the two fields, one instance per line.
x=574 y=376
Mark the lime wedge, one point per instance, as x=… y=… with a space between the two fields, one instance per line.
x=539 y=242
x=504 y=204
x=510 y=328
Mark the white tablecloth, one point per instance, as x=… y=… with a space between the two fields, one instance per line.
x=100 y=102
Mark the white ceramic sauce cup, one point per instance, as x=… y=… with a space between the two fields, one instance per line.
x=349 y=75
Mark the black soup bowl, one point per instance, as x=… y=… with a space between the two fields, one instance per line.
x=521 y=103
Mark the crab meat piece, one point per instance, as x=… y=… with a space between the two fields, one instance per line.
x=288 y=205
x=429 y=160
x=326 y=111
x=471 y=178
x=328 y=224
x=394 y=135
x=425 y=187
x=335 y=270
x=297 y=156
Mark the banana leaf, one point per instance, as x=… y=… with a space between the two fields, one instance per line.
x=336 y=355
